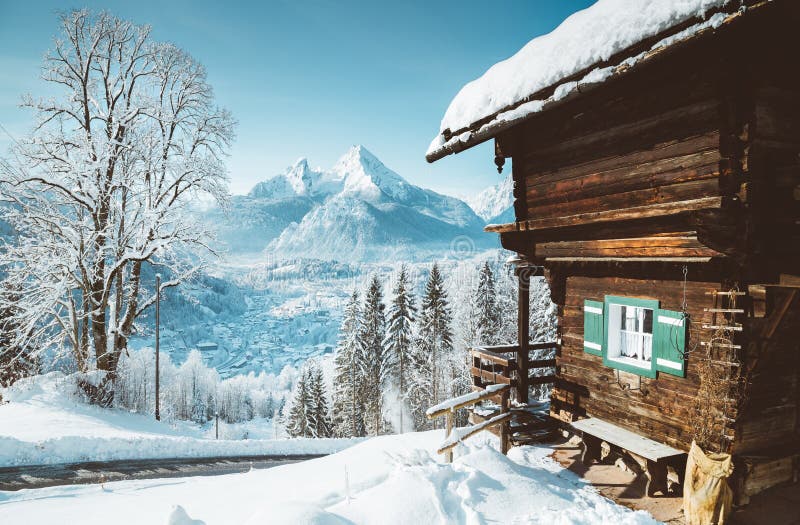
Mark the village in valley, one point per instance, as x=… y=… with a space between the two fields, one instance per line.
x=579 y=303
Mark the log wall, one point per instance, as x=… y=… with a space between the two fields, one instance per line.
x=629 y=161
x=586 y=387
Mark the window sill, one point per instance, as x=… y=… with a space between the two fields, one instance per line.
x=644 y=365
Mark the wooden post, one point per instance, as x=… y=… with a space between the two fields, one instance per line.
x=504 y=427
x=523 y=332
x=448 y=456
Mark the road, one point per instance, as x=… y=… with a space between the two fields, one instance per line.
x=39 y=476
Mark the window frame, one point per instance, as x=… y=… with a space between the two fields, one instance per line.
x=618 y=364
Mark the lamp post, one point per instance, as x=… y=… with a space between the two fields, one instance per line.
x=158 y=313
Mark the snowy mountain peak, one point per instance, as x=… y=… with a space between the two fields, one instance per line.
x=300 y=177
x=494 y=204
x=363 y=175
x=297 y=180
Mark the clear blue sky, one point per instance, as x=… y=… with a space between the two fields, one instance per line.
x=311 y=78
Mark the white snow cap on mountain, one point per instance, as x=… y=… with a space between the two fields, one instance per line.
x=494 y=200
x=357 y=173
x=362 y=210
x=298 y=180
x=584 y=39
x=363 y=175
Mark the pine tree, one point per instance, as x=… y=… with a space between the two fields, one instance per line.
x=374 y=364
x=400 y=334
x=487 y=313
x=297 y=422
x=269 y=406
x=434 y=346
x=348 y=420
x=319 y=417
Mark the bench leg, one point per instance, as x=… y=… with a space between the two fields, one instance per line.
x=656 y=472
x=591 y=449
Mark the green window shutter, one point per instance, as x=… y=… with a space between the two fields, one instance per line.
x=593 y=327
x=669 y=342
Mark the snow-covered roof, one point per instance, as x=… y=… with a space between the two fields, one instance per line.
x=588 y=47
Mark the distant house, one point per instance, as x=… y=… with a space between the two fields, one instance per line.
x=207 y=346
x=656 y=169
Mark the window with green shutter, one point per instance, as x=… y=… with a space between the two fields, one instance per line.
x=635 y=335
x=593 y=327
x=628 y=343
x=669 y=341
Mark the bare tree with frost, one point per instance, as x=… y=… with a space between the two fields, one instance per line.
x=102 y=185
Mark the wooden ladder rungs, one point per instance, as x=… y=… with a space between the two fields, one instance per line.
x=727 y=363
x=726 y=293
x=721 y=345
x=737 y=328
x=725 y=310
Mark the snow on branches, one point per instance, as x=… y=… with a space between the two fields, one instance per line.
x=101 y=186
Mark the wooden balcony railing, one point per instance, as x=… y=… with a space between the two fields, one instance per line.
x=505 y=364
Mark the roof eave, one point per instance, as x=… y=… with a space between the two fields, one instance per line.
x=489 y=131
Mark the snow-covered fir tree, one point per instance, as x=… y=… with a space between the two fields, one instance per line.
x=434 y=344
x=374 y=360
x=297 y=420
x=347 y=418
x=487 y=315
x=400 y=336
x=319 y=418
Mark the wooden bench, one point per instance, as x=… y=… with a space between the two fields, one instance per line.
x=652 y=456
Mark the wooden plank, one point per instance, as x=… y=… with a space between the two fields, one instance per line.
x=639 y=212
x=499 y=359
x=654 y=156
x=543 y=346
x=492 y=377
x=541 y=363
x=699 y=166
x=464 y=433
x=465 y=401
x=499 y=349
x=541 y=380
x=657 y=246
x=501 y=228
x=671 y=193
x=630 y=259
x=626 y=439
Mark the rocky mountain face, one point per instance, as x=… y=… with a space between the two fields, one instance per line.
x=359 y=210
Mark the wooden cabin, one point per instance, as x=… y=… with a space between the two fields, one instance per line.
x=662 y=203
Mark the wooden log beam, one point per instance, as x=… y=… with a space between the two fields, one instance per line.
x=498 y=349
x=502 y=228
x=671 y=193
x=624 y=214
x=498 y=359
x=654 y=246
x=465 y=401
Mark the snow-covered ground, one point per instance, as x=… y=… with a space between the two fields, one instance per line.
x=385 y=480
x=40 y=423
